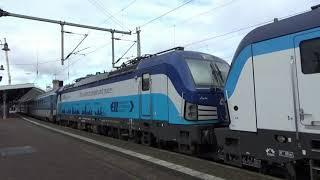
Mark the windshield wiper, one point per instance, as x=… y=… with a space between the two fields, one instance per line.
x=215 y=75
x=220 y=74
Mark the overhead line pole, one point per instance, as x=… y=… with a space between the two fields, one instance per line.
x=112 y=47
x=62 y=44
x=138 y=42
x=62 y=23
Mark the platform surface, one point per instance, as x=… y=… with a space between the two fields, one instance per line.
x=34 y=149
x=31 y=152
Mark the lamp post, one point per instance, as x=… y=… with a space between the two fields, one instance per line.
x=6 y=49
x=4 y=95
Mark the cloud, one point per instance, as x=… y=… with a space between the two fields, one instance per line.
x=187 y=24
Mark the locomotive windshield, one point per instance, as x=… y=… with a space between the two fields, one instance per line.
x=208 y=73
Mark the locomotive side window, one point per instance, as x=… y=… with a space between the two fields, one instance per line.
x=310 y=56
x=145 y=82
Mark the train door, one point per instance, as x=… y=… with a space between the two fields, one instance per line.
x=145 y=96
x=308 y=74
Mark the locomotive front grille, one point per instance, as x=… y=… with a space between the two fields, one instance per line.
x=207 y=112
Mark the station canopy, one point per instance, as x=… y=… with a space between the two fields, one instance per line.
x=14 y=93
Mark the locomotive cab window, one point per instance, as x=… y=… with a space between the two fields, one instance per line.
x=208 y=73
x=310 y=56
x=145 y=82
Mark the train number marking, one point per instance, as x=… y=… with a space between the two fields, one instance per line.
x=287 y=154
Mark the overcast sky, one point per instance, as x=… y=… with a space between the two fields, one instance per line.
x=31 y=42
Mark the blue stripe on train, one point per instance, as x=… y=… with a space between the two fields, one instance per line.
x=265 y=47
x=180 y=78
x=128 y=107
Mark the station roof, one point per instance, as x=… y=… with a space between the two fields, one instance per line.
x=15 y=92
x=31 y=94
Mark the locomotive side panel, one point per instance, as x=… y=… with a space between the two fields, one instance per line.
x=118 y=99
x=240 y=93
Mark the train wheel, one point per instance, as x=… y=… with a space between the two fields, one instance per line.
x=147 y=139
x=137 y=137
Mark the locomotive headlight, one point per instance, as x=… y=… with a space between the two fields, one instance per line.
x=191 y=111
x=281 y=139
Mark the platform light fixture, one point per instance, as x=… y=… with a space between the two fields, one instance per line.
x=5 y=47
x=1 y=69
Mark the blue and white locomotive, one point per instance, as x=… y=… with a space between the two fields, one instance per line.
x=172 y=97
x=272 y=96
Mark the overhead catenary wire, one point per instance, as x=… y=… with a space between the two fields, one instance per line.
x=196 y=15
x=105 y=11
x=124 y=8
x=224 y=39
x=239 y=30
x=87 y=54
x=166 y=13
x=78 y=52
x=225 y=34
x=72 y=52
x=121 y=10
x=207 y=39
x=127 y=6
x=98 y=48
x=89 y=31
x=81 y=58
x=125 y=52
x=100 y=7
x=207 y=11
x=102 y=46
x=45 y=62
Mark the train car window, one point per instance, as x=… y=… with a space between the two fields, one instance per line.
x=145 y=82
x=310 y=56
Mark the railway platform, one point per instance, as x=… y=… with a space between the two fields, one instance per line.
x=33 y=149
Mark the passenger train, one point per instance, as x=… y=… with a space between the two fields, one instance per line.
x=43 y=106
x=262 y=113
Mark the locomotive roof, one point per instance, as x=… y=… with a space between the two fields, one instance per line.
x=90 y=79
x=294 y=24
x=175 y=57
x=172 y=57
